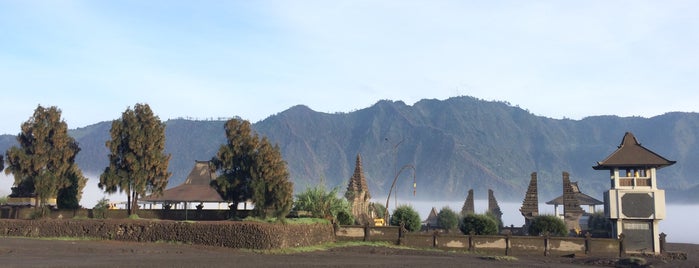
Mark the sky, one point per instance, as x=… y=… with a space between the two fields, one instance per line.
x=253 y=59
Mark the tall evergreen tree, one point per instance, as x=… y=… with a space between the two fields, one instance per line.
x=253 y=169
x=271 y=189
x=137 y=161
x=69 y=197
x=45 y=156
x=233 y=161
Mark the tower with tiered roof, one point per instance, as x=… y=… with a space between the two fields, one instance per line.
x=634 y=203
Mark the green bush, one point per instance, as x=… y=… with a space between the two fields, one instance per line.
x=447 y=219
x=548 y=223
x=323 y=204
x=100 y=209
x=345 y=218
x=481 y=224
x=408 y=216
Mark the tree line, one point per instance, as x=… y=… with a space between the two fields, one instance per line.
x=43 y=163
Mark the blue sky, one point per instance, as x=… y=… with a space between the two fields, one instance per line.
x=253 y=59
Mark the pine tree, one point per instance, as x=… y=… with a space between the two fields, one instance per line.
x=45 y=156
x=233 y=161
x=253 y=169
x=272 y=190
x=137 y=161
x=69 y=197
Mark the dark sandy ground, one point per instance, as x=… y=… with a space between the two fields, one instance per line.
x=25 y=252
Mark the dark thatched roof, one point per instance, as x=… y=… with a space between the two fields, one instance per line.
x=631 y=154
x=196 y=188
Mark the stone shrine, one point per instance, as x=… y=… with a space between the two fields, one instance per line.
x=358 y=195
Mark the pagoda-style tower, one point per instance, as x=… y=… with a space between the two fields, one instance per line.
x=358 y=194
x=493 y=206
x=530 y=206
x=468 y=207
x=634 y=203
x=571 y=207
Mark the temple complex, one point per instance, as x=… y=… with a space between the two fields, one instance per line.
x=634 y=203
x=358 y=195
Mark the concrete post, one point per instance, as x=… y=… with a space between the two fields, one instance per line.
x=366 y=232
x=662 y=242
x=588 y=246
x=434 y=239
x=622 y=249
x=507 y=244
x=546 y=243
x=471 y=245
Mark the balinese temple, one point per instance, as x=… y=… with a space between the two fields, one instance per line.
x=634 y=203
x=582 y=199
x=468 y=207
x=358 y=195
x=530 y=206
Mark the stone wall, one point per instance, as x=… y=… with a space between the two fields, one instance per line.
x=498 y=244
x=251 y=235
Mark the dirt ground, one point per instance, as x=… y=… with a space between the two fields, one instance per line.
x=25 y=252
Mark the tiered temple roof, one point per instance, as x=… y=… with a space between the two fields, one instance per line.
x=357 y=182
x=630 y=153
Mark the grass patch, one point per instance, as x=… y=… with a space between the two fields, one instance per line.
x=60 y=238
x=288 y=221
x=499 y=258
x=328 y=246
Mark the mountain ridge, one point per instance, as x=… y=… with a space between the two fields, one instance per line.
x=454 y=145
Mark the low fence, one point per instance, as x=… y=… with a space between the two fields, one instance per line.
x=251 y=235
x=504 y=244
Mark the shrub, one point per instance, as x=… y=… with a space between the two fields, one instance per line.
x=323 y=204
x=100 y=209
x=345 y=218
x=447 y=219
x=408 y=216
x=480 y=224
x=498 y=220
x=548 y=223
